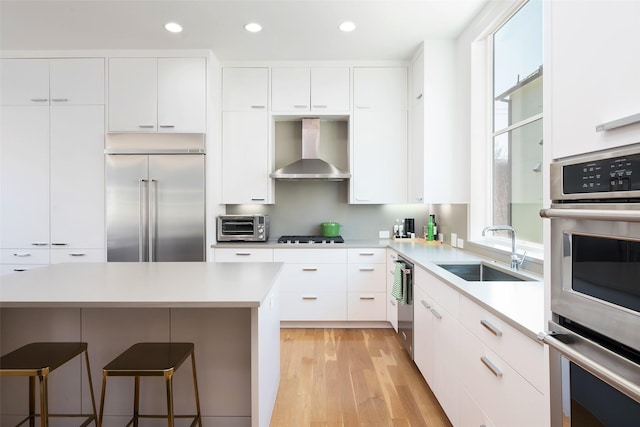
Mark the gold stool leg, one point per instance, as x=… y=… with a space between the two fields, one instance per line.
x=136 y=402
x=32 y=401
x=93 y=398
x=44 y=404
x=168 y=376
x=195 y=388
x=104 y=388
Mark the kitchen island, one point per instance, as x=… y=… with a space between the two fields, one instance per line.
x=230 y=312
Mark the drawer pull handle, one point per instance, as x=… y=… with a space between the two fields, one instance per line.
x=167 y=126
x=367 y=254
x=257 y=199
x=426 y=305
x=367 y=269
x=436 y=314
x=258 y=106
x=39 y=244
x=393 y=302
x=319 y=106
x=22 y=254
x=243 y=253
x=493 y=368
x=309 y=298
x=77 y=254
x=309 y=269
x=495 y=331
x=59 y=99
x=19 y=269
x=300 y=106
x=367 y=298
x=59 y=244
x=39 y=99
x=146 y=126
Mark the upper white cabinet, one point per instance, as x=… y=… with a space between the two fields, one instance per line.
x=74 y=81
x=157 y=95
x=245 y=137
x=379 y=148
x=245 y=89
x=303 y=89
x=594 y=74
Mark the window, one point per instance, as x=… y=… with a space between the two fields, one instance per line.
x=516 y=191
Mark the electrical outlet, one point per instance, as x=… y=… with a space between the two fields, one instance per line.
x=440 y=237
x=460 y=243
x=454 y=240
x=383 y=234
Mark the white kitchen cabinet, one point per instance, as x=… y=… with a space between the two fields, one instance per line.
x=303 y=89
x=392 y=304
x=423 y=333
x=594 y=74
x=379 y=159
x=313 y=284
x=24 y=177
x=68 y=81
x=245 y=88
x=470 y=413
x=77 y=255
x=77 y=177
x=157 y=95
x=367 y=284
x=245 y=158
x=241 y=254
x=18 y=268
x=380 y=136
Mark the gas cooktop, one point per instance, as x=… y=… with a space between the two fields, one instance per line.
x=310 y=239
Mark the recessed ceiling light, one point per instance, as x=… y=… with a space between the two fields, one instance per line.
x=173 y=27
x=347 y=26
x=253 y=27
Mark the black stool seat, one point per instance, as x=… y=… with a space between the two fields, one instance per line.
x=39 y=360
x=152 y=359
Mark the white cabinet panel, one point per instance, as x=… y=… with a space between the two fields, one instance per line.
x=367 y=255
x=245 y=89
x=77 y=176
x=182 y=84
x=310 y=278
x=18 y=268
x=380 y=88
x=77 y=255
x=77 y=81
x=330 y=89
x=24 y=81
x=379 y=157
x=366 y=306
x=594 y=74
x=313 y=307
x=317 y=89
x=423 y=333
x=446 y=361
x=310 y=255
x=133 y=94
x=290 y=89
x=24 y=177
x=392 y=304
x=243 y=255
x=24 y=256
x=367 y=278
x=245 y=154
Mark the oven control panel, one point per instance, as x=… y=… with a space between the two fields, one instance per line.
x=603 y=176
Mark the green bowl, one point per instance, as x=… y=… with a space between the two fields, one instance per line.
x=330 y=229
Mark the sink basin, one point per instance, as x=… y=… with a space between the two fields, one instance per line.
x=482 y=272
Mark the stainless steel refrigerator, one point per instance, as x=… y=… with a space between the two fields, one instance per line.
x=155 y=207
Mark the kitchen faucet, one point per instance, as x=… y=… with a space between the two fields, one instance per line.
x=516 y=261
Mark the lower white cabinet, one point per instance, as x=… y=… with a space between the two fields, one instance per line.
x=392 y=304
x=59 y=256
x=470 y=413
x=243 y=255
x=367 y=284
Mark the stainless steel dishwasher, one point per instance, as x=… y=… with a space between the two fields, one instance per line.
x=405 y=307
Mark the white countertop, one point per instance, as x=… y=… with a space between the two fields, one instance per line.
x=159 y=284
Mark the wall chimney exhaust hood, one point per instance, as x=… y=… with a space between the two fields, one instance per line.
x=311 y=166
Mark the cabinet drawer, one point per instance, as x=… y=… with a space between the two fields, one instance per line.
x=316 y=256
x=367 y=256
x=314 y=278
x=18 y=268
x=366 y=306
x=243 y=255
x=367 y=277
x=77 y=255
x=446 y=296
x=524 y=354
x=320 y=306
x=24 y=256
x=493 y=384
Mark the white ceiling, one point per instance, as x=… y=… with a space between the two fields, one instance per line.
x=292 y=29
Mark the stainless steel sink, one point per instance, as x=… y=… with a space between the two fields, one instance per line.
x=484 y=272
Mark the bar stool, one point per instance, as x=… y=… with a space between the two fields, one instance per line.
x=152 y=359
x=39 y=360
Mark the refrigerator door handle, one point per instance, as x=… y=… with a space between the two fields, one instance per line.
x=153 y=212
x=143 y=221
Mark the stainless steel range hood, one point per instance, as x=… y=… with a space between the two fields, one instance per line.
x=311 y=166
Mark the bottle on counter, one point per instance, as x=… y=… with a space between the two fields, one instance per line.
x=396 y=228
x=430 y=225
x=435 y=228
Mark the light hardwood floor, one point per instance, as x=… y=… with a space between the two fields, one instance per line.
x=349 y=378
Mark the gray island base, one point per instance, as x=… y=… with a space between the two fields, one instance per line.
x=230 y=311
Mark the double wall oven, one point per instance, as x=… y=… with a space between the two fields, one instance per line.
x=594 y=333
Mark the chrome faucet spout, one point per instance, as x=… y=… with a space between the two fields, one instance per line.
x=516 y=261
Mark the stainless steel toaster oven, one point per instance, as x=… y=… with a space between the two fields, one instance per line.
x=243 y=228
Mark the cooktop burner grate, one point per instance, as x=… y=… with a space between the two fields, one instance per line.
x=310 y=239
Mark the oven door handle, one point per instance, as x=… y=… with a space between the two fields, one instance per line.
x=592 y=214
x=608 y=366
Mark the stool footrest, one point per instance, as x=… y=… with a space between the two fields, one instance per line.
x=196 y=418
x=90 y=418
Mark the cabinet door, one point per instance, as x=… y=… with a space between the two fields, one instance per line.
x=380 y=88
x=594 y=74
x=290 y=89
x=417 y=79
x=392 y=304
x=24 y=177
x=24 y=82
x=182 y=95
x=417 y=162
x=77 y=176
x=77 y=81
x=245 y=154
x=423 y=334
x=446 y=362
x=379 y=157
x=330 y=89
x=133 y=94
x=245 y=89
